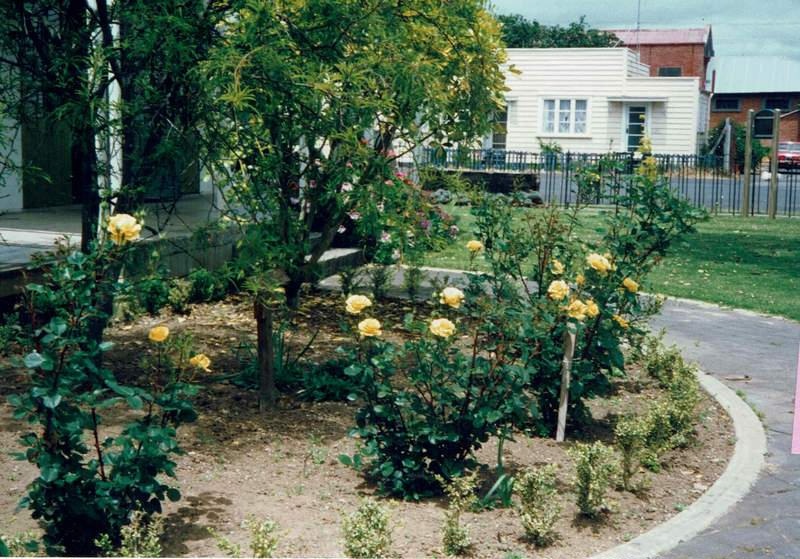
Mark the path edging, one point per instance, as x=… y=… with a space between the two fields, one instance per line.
x=735 y=482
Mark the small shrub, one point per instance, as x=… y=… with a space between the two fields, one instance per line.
x=630 y=436
x=349 y=280
x=514 y=555
x=539 y=509
x=21 y=545
x=380 y=280
x=326 y=382
x=263 y=537
x=205 y=286
x=596 y=469
x=140 y=538
x=412 y=281
x=180 y=292
x=152 y=293
x=367 y=531
x=460 y=493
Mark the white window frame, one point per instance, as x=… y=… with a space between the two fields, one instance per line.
x=557 y=103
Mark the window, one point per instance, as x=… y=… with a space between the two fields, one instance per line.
x=565 y=116
x=762 y=124
x=669 y=72
x=727 y=104
x=781 y=103
x=500 y=129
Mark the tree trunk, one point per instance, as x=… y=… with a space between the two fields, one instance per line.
x=267 y=393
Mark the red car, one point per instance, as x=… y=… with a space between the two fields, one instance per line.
x=789 y=155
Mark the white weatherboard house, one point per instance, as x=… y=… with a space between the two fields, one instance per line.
x=596 y=100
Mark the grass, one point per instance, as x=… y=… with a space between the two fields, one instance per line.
x=751 y=263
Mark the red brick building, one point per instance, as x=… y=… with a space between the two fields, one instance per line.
x=672 y=52
x=760 y=83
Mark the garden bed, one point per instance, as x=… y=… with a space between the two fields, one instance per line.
x=285 y=467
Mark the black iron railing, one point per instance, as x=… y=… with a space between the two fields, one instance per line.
x=707 y=181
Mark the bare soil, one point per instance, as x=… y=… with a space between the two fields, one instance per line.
x=285 y=466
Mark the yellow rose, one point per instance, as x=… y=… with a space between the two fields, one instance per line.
x=474 y=246
x=558 y=290
x=158 y=334
x=369 y=327
x=598 y=262
x=557 y=267
x=123 y=228
x=442 y=327
x=592 y=310
x=580 y=280
x=577 y=309
x=357 y=303
x=201 y=362
x=630 y=285
x=621 y=321
x=451 y=296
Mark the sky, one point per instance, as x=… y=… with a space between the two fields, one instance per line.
x=740 y=27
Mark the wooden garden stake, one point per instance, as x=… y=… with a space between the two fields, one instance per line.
x=266 y=356
x=566 y=368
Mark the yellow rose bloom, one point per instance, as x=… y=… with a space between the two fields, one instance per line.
x=442 y=327
x=201 y=361
x=451 y=296
x=558 y=290
x=630 y=285
x=474 y=246
x=580 y=280
x=577 y=310
x=369 y=327
x=158 y=334
x=592 y=310
x=123 y=228
x=557 y=267
x=357 y=303
x=621 y=321
x=598 y=262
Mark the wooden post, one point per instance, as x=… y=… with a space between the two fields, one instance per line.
x=566 y=369
x=748 y=165
x=266 y=356
x=772 y=203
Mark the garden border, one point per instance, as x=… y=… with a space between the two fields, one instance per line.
x=737 y=479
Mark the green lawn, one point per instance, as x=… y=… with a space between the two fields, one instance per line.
x=746 y=263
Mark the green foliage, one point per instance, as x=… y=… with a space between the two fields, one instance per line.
x=427 y=406
x=461 y=497
x=206 y=286
x=596 y=468
x=412 y=281
x=88 y=482
x=356 y=79
x=538 y=508
x=349 y=280
x=740 y=141
x=263 y=539
x=326 y=382
x=140 y=538
x=153 y=292
x=179 y=297
x=520 y=32
x=367 y=531
x=631 y=438
x=380 y=280
x=25 y=544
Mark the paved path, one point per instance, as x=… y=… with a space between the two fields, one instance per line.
x=729 y=344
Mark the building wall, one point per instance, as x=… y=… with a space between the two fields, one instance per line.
x=689 y=58
x=790 y=127
x=747 y=101
x=596 y=75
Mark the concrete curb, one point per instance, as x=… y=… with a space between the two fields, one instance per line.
x=729 y=489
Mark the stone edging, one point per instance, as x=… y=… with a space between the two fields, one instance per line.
x=730 y=488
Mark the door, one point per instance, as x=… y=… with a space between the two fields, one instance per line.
x=635 y=125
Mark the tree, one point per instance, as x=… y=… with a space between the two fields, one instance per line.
x=520 y=32
x=315 y=100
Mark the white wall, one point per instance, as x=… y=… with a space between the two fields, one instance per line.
x=597 y=75
x=10 y=179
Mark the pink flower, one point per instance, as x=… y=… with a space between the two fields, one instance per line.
x=341 y=229
x=347 y=187
x=349 y=165
x=400 y=175
x=388 y=182
x=355 y=216
x=294 y=200
x=312 y=184
x=385 y=237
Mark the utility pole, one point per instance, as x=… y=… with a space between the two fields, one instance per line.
x=748 y=165
x=772 y=204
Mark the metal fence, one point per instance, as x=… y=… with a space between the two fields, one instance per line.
x=704 y=180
